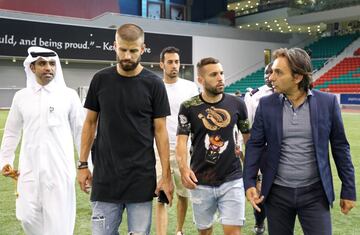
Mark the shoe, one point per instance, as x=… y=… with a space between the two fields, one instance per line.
x=180 y=233
x=259 y=229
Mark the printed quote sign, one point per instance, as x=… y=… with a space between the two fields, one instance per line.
x=79 y=42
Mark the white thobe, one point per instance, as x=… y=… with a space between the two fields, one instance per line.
x=252 y=101
x=49 y=119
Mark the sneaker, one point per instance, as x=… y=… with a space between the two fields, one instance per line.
x=259 y=229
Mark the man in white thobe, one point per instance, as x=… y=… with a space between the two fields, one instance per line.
x=49 y=117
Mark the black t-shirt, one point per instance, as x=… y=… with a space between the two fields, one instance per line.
x=124 y=161
x=214 y=129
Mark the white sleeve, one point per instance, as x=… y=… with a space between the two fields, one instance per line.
x=249 y=106
x=76 y=119
x=195 y=90
x=241 y=141
x=12 y=135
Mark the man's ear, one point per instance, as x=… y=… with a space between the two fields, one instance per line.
x=143 y=48
x=32 y=67
x=298 y=78
x=200 y=79
x=161 y=65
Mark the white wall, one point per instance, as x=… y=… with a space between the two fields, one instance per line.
x=236 y=55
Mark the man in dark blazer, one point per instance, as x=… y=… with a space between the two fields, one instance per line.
x=293 y=128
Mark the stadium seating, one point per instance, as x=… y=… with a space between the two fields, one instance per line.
x=253 y=80
x=342 y=78
x=256 y=79
x=327 y=47
x=321 y=50
x=357 y=52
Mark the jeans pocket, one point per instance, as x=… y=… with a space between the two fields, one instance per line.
x=98 y=225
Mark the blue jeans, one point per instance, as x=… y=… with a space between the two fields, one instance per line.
x=228 y=199
x=106 y=217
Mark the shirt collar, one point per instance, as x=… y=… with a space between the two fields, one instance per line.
x=283 y=97
x=49 y=87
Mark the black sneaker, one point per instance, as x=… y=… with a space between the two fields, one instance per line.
x=259 y=229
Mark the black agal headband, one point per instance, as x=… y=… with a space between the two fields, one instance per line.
x=42 y=54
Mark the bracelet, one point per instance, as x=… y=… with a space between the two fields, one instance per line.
x=82 y=165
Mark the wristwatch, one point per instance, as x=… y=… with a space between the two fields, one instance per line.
x=82 y=165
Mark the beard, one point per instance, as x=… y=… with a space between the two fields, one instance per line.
x=214 y=91
x=173 y=75
x=46 y=78
x=128 y=65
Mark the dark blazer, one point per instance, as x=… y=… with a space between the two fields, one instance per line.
x=326 y=124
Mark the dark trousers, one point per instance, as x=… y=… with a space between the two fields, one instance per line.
x=260 y=216
x=308 y=203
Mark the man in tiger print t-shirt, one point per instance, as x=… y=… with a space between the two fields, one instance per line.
x=214 y=121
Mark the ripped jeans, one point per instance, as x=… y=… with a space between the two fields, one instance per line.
x=106 y=217
x=228 y=199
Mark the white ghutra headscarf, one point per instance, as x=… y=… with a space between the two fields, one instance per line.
x=34 y=53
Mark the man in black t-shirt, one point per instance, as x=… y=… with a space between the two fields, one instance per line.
x=213 y=120
x=124 y=162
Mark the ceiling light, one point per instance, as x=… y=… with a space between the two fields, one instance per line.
x=299 y=29
x=281 y=31
x=251 y=7
x=308 y=27
x=279 y=28
x=290 y=30
x=240 y=27
x=265 y=22
x=257 y=24
x=275 y=21
x=236 y=8
x=270 y=29
x=242 y=9
x=285 y=19
x=249 y=1
x=66 y=62
x=318 y=26
x=248 y=25
x=14 y=59
x=257 y=4
x=277 y=25
x=289 y=27
x=246 y=5
x=238 y=4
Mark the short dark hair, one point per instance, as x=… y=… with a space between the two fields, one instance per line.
x=205 y=61
x=170 y=49
x=238 y=93
x=130 y=32
x=299 y=62
x=268 y=70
